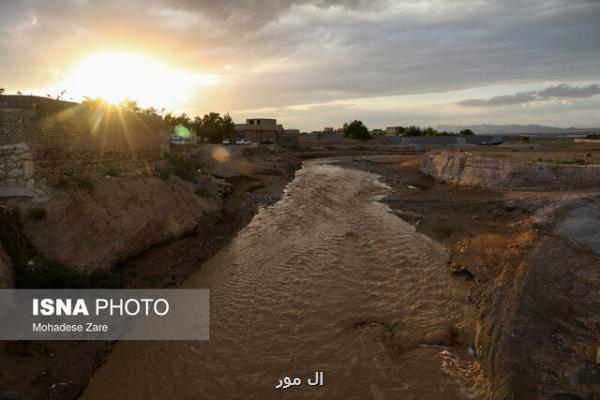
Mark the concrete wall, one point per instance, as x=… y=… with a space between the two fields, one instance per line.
x=287 y=139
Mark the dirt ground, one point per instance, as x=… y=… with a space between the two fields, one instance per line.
x=535 y=291
x=536 y=333
x=554 y=152
x=61 y=369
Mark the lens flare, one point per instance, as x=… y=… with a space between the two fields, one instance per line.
x=182 y=132
x=220 y=154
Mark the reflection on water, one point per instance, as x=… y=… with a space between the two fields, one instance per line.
x=328 y=279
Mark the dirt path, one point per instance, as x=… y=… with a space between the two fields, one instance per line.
x=328 y=279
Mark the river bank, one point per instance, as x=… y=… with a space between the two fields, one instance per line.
x=535 y=329
x=62 y=369
x=486 y=293
x=327 y=279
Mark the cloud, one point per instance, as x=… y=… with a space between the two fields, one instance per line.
x=562 y=91
x=281 y=53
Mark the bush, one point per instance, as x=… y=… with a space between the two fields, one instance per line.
x=182 y=167
x=356 y=130
x=48 y=274
x=37 y=213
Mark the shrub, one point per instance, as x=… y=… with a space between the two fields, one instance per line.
x=37 y=213
x=182 y=167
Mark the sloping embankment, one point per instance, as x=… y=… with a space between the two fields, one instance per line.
x=117 y=219
x=465 y=169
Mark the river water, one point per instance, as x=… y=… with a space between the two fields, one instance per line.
x=328 y=279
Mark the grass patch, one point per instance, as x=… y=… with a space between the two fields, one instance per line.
x=37 y=213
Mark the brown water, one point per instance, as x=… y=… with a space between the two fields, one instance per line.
x=328 y=279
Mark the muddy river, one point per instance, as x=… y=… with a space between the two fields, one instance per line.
x=328 y=279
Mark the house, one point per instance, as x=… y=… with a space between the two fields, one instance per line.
x=394 y=130
x=259 y=130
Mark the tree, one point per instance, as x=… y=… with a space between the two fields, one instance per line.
x=2 y=90
x=356 y=130
x=412 y=131
x=430 y=132
x=213 y=126
x=130 y=105
x=466 y=132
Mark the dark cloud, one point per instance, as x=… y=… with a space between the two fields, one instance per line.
x=297 y=52
x=562 y=91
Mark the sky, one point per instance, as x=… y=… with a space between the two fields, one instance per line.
x=316 y=63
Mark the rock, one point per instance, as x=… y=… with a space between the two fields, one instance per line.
x=28 y=169
x=15 y=173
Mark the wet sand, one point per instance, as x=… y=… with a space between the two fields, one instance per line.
x=327 y=279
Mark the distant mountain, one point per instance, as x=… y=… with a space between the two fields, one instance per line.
x=515 y=129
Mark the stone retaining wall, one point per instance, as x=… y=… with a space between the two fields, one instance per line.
x=65 y=138
x=16 y=166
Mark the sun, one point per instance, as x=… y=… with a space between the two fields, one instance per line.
x=119 y=75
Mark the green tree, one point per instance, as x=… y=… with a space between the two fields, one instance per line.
x=466 y=132
x=213 y=126
x=413 y=131
x=430 y=132
x=356 y=130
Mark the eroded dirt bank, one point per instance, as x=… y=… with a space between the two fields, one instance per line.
x=326 y=279
x=169 y=228
x=535 y=290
